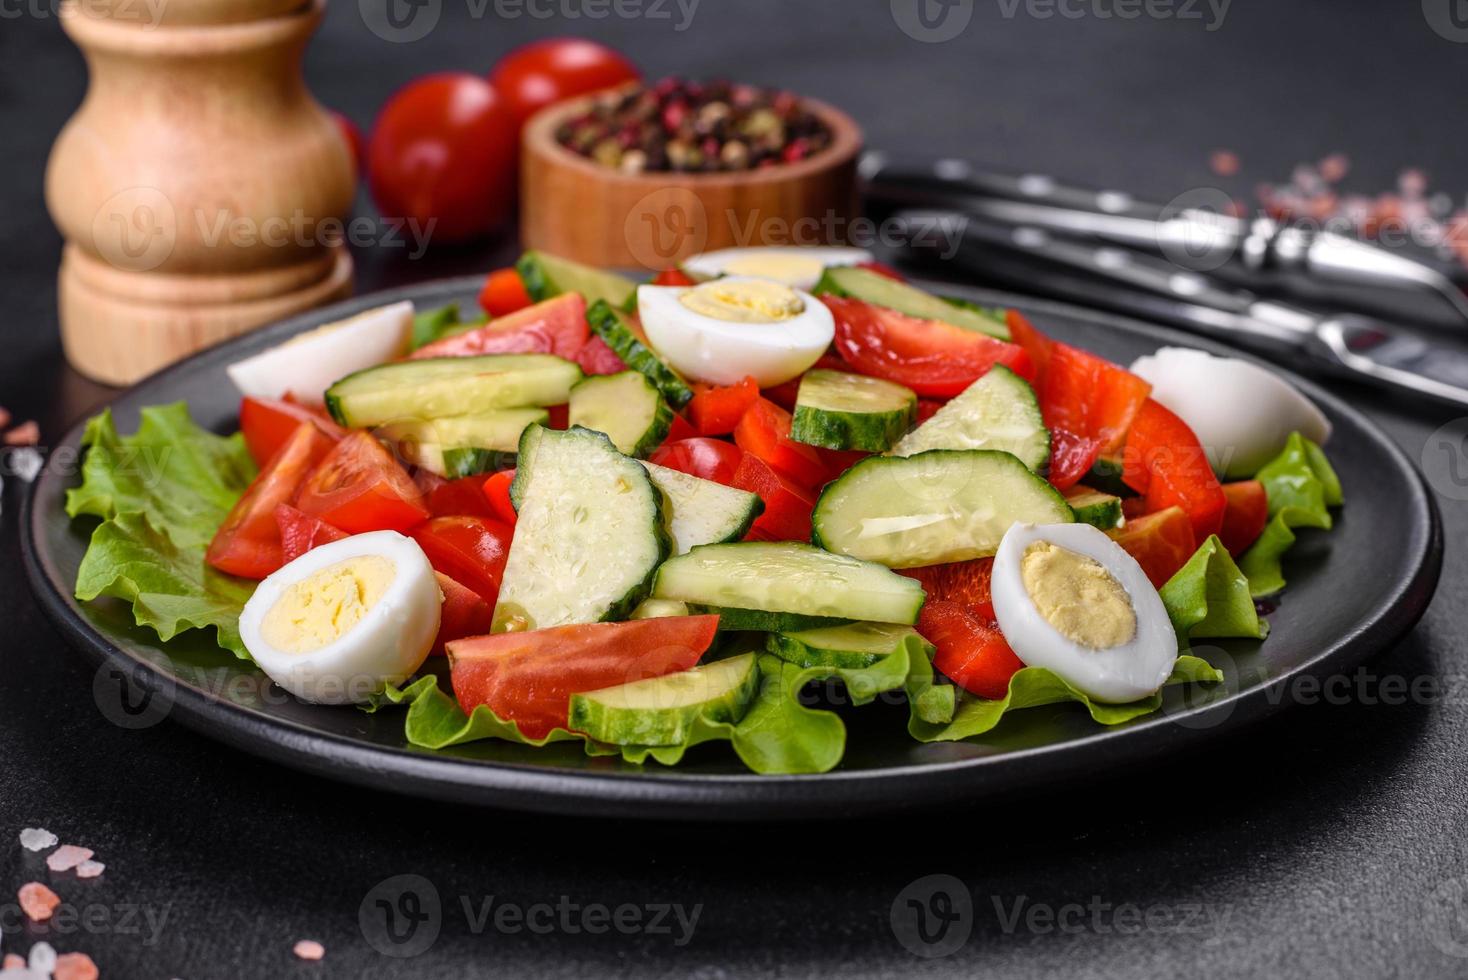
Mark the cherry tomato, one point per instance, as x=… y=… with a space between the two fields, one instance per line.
x=497 y=495
x=464 y=613
x=969 y=651
x=1164 y=462
x=1245 y=515
x=268 y=424
x=463 y=497
x=359 y=487
x=470 y=550
x=1071 y=457
x=788 y=505
x=764 y=431
x=248 y=542
x=716 y=409
x=538 y=74
x=353 y=135
x=300 y=532
x=711 y=459
x=963 y=582
x=679 y=429
x=528 y=677
x=673 y=277
x=597 y=358
x=444 y=150
x=503 y=293
x=1161 y=542
x=556 y=326
x=929 y=356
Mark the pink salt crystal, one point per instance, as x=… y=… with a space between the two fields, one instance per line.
x=1412 y=183
x=68 y=856
x=13 y=962
x=1225 y=163
x=90 y=869
x=37 y=901
x=4 y=417
x=25 y=434
x=74 y=966
x=1335 y=167
x=309 y=949
x=36 y=839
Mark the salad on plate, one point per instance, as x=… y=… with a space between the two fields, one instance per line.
x=641 y=517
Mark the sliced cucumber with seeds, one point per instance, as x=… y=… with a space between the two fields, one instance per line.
x=545 y=276
x=870 y=287
x=442 y=387
x=1093 y=507
x=626 y=406
x=789 y=577
x=847 y=647
x=998 y=411
x=701 y=511
x=659 y=609
x=464 y=445
x=935 y=507
x=838 y=410
x=663 y=710
x=589 y=536
x=623 y=334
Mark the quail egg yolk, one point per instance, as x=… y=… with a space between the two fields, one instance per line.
x=744 y=301
x=1078 y=596
x=324 y=606
x=782 y=268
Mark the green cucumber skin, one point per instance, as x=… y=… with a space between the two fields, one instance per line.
x=606 y=323
x=472 y=462
x=874 y=431
x=657 y=429
x=810 y=648
x=664 y=726
x=869 y=287
x=1104 y=512
x=335 y=397
x=733 y=620
x=795 y=652
x=540 y=284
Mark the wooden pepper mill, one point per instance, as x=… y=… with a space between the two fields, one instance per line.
x=200 y=188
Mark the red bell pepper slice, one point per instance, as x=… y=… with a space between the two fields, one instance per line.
x=764 y=431
x=1164 y=462
x=969 y=651
x=788 y=505
x=1161 y=542
x=504 y=293
x=963 y=582
x=1244 y=516
x=497 y=495
x=715 y=410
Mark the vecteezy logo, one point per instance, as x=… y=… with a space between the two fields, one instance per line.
x=1445 y=916
x=1447 y=18
x=933 y=916
x=401 y=917
x=131 y=697
x=665 y=227
x=1445 y=460
x=1208 y=237
x=932 y=21
x=136 y=229
x=400 y=21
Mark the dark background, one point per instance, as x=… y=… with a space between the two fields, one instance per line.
x=1329 y=842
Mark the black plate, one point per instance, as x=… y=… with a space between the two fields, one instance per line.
x=1352 y=593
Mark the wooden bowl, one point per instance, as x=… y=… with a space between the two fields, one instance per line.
x=574 y=207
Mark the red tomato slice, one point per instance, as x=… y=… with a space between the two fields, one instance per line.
x=788 y=505
x=716 y=410
x=497 y=495
x=711 y=459
x=1244 y=516
x=560 y=417
x=929 y=356
x=1035 y=344
x=673 y=277
x=597 y=358
x=927 y=408
x=969 y=651
x=300 y=532
x=1164 y=462
x=359 y=487
x=1161 y=543
x=268 y=424
x=248 y=542
x=764 y=431
x=557 y=326
x=785 y=394
x=963 y=582
x=504 y=293
x=1071 y=457
x=463 y=497
x=470 y=550
x=528 y=678
x=679 y=429
x=464 y=613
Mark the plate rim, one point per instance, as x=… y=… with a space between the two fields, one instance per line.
x=680 y=795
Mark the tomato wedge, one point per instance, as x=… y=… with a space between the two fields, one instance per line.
x=300 y=532
x=680 y=428
x=716 y=409
x=247 y=544
x=1244 y=516
x=1071 y=457
x=929 y=356
x=268 y=423
x=1161 y=542
x=597 y=358
x=464 y=613
x=764 y=431
x=504 y=293
x=969 y=651
x=463 y=497
x=359 y=487
x=528 y=678
x=788 y=505
x=673 y=277
x=470 y=550
x=556 y=326
x=1164 y=462
x=963 y=582
x=497 y=495
x=711 y=459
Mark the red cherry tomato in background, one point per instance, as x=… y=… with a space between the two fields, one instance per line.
x=353 y=135
x=445 y=147
x=711 y=459
x=542 y=72
x=503 y=293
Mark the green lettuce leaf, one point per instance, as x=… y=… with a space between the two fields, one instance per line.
x=161 y=494
x=1209 y=597
x=1301 y=486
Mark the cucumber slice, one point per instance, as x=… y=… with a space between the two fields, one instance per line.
x=837 y=410
x=662 y=710
x=441 y=387
x=623 y=334
x=939 y=506
x=732 y=619
x=998 y=411
x=789 y=577
x=546 y=275
x=464 y=445
x=701 y=511
x=870 y=287
x=1093 y=507
x=659 y=609
x=626 y=406
x=589 y=535
x=848 y=647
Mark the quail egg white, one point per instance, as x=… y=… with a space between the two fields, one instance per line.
x=798 y=267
